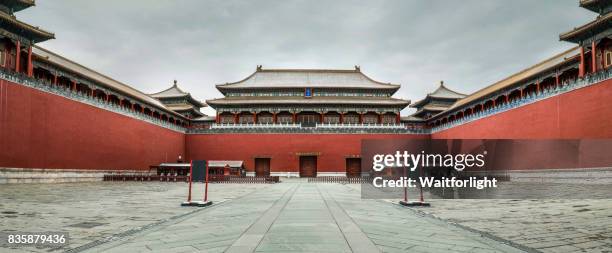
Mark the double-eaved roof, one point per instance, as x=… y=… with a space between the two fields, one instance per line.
x=441 y=93
x=307 y=78
x=307 y=100
x=175 y=92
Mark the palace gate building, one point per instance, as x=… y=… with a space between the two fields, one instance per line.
x=58 y=116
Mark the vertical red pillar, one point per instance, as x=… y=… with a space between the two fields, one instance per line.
x=361 y=118
x=538 y=86
x=30 y=69
x=18 y=56
x=398 y=118
x=581 y=66
x=294 y=117
x=92 y=95
x=341 y=118
x=255 y=118
x=379 y=118
x=506 y=99
x=274 y=118
x=593 y=57
x=557 y=80
x=54 y=79
x=217 y=118
x=73 y=85
x=322 y=117
x=235 y=118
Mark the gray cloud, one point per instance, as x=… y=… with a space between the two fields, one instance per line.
x=147 y=44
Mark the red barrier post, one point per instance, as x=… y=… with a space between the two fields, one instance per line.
x=206 y=187
x=190 y=179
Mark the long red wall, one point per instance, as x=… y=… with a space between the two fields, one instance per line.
x=585 y=113
x=40 y=130
x=283 y=149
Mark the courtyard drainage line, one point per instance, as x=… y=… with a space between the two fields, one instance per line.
x=119 y=236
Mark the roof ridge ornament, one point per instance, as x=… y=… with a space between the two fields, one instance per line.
x=259 y=67
x=357 y=68
x=174 y=83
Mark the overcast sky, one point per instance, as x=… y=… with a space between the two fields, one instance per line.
x=147 y=44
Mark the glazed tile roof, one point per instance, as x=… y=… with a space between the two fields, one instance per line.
x=442 y=92
x=603 y=22
x=33 y=32
x=308 y=78
x=175 y=92
x=55 y=59
x=520 y=76
x=307 y=100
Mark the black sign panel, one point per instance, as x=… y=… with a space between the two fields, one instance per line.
x=198 y=171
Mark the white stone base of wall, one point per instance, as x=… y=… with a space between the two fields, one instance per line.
x=33 y=175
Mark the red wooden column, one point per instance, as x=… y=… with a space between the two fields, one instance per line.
x=274 y=118
x=557 y=80
x=73 y=85
x=254 y=118
x=18 y=56
x=398 y=118
x=54 y=79
x=361 y=118
x=341 y=118
x=217 y=118
x=235 y=118
x=593 y=57
x=537 y=88
x=322 y=118
x=380 y=118
x=581 y=66
x=30 y=69
x=294 y=117
x=506 y=96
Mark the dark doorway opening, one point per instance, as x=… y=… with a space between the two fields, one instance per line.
x=353 y=167
x=262 y=167
x=308 y=166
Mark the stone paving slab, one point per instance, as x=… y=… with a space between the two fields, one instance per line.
x=546 y=225
x=114 y=207
x=303 y=217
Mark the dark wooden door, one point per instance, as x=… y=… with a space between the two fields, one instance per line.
x=308 y=166
x=353 y=167
x=262 y=167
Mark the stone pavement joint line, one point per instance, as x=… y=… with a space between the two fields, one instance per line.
x=251 y=238
x=357 y=240
x=303 y=217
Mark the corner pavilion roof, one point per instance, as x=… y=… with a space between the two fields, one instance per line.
x=176 y=92
x=307 y=78
x=442 y=92
x=602 y=23
x=34 y=33
x=18 y=5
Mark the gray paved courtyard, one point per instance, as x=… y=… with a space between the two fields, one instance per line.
x=294 y=216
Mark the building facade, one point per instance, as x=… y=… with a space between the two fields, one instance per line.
x=59 y=116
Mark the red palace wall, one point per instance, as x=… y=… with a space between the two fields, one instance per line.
x=40 y=130
x=580 y=114
x=283 y=149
